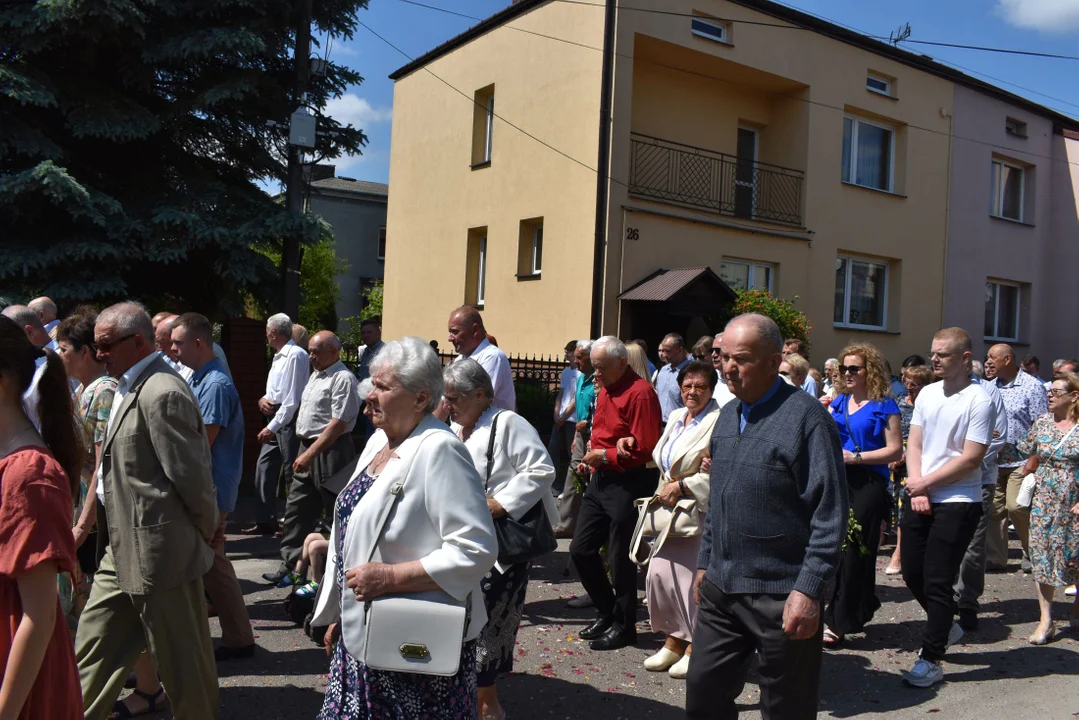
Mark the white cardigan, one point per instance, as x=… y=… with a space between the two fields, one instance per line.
x=522 y=474
x=441 y=519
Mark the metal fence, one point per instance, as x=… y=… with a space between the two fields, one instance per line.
x=674 y=172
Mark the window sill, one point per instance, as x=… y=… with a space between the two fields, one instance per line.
x=480 y=165
x=865 y=328
x=1011 y=221
x=873 y=189
x=528 y=276
x=878 y=93
x=1009 y=341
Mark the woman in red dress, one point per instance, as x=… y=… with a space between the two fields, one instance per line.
x=37 y=658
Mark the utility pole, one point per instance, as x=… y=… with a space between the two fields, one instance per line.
x=294 y=192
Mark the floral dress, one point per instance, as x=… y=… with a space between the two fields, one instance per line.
x=1054 y=528
x=357 y=692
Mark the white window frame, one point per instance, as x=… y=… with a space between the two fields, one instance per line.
x=996 y=189
x=481 y=272
x=721 y=27
x=857 y=119
x=996 y=336
x=886 y=91
x=489 y=124
x=380 y=243
x=851 y=259
x=751 y=266
x=1015 y=128
x=537 y=250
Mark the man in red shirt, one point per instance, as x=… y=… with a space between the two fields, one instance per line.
x=626 y=406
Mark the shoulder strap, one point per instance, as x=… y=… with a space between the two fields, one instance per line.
x=846 y=419
x=491 y=451
x=1064 y=439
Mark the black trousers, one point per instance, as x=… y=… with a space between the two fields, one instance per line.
x=854 y=596
x=608 y=516
x=729 y=628
x=932 y=551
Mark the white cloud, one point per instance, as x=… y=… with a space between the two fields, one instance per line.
x=1056 y=16
x=350 y=109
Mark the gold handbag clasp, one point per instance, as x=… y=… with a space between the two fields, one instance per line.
x=414 y=651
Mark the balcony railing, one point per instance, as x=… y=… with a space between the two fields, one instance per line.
x=700 y=178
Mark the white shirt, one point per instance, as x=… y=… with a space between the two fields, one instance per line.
x=722 y=394
x=1000 y=427
x=497 y=365
x=30 y=397
x=118 y=397
x=947 y=422
x=568 y=392
x=184 y=371
x=285 y=383
x=677 y=434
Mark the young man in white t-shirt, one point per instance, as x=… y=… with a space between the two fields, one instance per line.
x=950 y=432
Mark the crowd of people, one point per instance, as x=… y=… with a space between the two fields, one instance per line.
x=753 y=490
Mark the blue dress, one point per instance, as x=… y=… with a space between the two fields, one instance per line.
x=357 y=692
x=866 y=430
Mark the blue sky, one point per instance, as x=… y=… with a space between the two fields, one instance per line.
x=1050 y=26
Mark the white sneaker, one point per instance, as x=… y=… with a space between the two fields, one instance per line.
x=924 y=674
x=662 y=660
x=954 y=635
x=680 y=669
x=1070 y=591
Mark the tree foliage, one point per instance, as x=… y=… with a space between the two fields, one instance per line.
x=133 y=136
x=792 y=322
x=319 y=268
x=372 y=308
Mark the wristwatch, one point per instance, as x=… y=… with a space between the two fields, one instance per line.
x=604 y=461
x=858 y=458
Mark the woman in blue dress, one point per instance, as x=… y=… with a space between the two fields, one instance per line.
x=867 y=418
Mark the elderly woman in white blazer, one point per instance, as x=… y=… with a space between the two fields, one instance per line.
x=679 y=454
x=438 y=540
x=520 y=475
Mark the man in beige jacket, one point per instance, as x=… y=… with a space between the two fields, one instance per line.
x=160 y=514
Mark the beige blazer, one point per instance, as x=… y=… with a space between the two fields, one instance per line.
x=686 y=460
x=160 y=501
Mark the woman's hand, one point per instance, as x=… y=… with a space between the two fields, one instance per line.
x=706 y=465
x=333 y=632
x=625 y=446
x=825 y=400
x=1031 y=465
x=1075 y=510
x=848 y=458
x=81 y=532
x=369 y=581
x=497 y=511
x=669 y=495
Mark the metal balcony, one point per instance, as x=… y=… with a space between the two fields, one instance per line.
x=700 y=178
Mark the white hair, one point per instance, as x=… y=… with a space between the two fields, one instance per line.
x=1059 y=363
x=129 y=318
x=415 y=365
x=280 y=324
x=831 y=362
x=765 y=326
x=610 y=346
x=585 y=345
x=466 y=377
x=977 y=368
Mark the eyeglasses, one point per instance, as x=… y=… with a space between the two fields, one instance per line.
x=784 y=373
x=939 y=355
x=1057 y=392
x=850 y=369
x=103 y=346
x=717 y=351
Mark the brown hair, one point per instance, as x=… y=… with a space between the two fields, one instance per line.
x=877 y=382
x=18 y=357
x=960 y=337
x=1072 y=381
x=921 y=374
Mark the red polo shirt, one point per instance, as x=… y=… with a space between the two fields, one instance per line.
x=628 y=408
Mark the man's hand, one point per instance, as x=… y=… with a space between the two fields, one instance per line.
x=706 y=465
x=265 y=407
x=594 y=458
x=370 y=581
x=332 y=633
x=921 y=505
x=697 y=581
x=265 y=435
x=303 y=461
x=582 y=425
x=559 y=422
x=497 y=511
x=669 y=495
x=801 y=616
x=917 y=486
x=625 y=446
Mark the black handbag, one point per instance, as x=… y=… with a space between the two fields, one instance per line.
x=521 y=540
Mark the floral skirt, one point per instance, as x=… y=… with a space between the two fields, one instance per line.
x=357 y=692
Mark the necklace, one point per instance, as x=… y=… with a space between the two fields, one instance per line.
x=16 y=436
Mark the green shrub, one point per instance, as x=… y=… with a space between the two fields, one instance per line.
x=792 y=322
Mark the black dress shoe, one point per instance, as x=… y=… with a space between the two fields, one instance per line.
x=275 y=577
x=224 y=652
x=613 y=639
x=596 y=629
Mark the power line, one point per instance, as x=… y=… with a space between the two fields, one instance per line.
x=984 y=48
x=670 y=67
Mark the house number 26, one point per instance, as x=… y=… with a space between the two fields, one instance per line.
x=633 y=234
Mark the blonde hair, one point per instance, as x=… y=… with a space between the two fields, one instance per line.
x=877 y=383
x=798 y=363
x=638 y=360
x=1072 y=381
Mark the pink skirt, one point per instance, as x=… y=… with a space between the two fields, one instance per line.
x=669 y=585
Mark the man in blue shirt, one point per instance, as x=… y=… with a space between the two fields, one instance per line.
x=670 y=394
x=192 y=338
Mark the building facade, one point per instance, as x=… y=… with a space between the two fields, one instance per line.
x=767 y=146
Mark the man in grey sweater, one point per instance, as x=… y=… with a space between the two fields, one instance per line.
x=776 y=523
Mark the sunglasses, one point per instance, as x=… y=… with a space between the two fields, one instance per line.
x=103 y=346
x=850 y=369
x=717 y=351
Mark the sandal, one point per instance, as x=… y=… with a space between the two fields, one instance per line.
x=120 y=711
x=831 y=640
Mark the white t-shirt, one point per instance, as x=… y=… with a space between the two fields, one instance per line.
x=497 y=365
x=568 y=392
x=947 y=422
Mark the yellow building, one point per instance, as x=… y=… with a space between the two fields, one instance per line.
x=742 y=139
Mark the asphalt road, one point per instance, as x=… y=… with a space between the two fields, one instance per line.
x=558 y=676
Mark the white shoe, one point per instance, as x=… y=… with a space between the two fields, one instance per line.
x=662 y=660
x=924 y=674
x=954 y=635
x=680 y=669
x=1070 y=591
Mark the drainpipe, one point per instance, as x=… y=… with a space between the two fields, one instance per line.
x=603 y=166
x=947 y=215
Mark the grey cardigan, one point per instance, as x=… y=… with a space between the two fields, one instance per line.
x=777 y=515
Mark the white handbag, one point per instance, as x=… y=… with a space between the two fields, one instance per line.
x=1025 y=495
x=660 y=521
x=413 y=632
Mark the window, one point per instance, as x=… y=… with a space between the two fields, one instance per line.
x=476 y=267
x=382 y=243
x=709 y=29
x=530 y=249
x=483 y=117
x=1007 y=200
x=746 y=275
x=861 y=289
x=1015 y=128
x=868 y=154
x=1001 y=311
x=878 y=84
